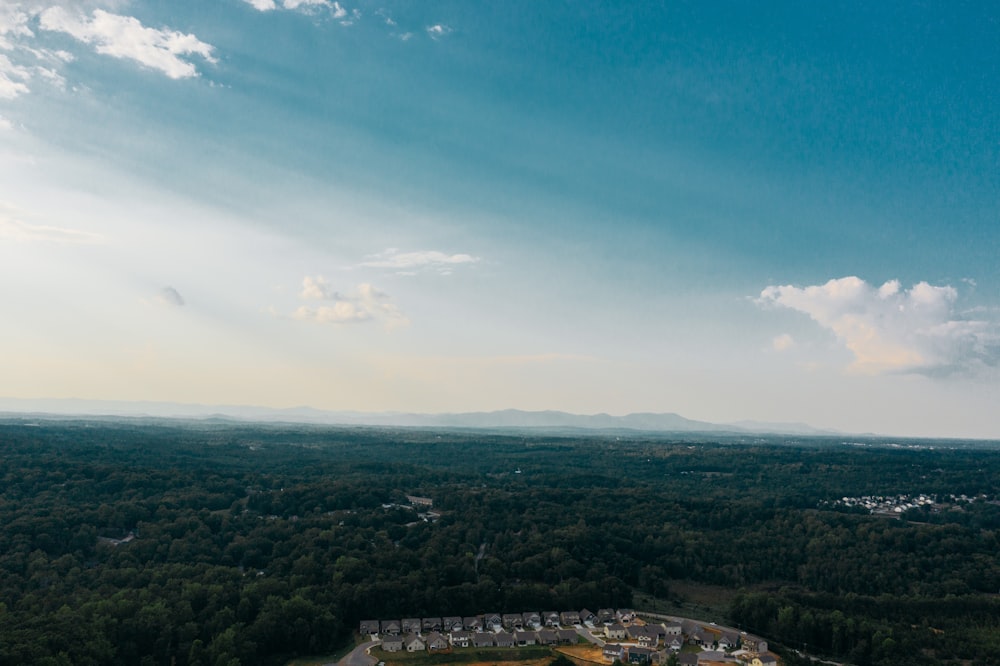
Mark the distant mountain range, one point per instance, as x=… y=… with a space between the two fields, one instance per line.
x=499 y=420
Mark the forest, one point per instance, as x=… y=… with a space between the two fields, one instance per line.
x=225 y=544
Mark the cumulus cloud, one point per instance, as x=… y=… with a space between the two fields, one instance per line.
x=889 y=329
x=365 y=304
x=438 y=30
x=125 y=37
x=409 y=262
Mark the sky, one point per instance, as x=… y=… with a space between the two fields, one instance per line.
x=781 y=212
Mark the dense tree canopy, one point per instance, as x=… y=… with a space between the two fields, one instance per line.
x=255 y=543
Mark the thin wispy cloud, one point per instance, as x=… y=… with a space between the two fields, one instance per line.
x=12 y=229
x=365 y=304
x=13 y=78
x=21 y=61
x=893 y=330
x=167 y=51
x=410 y=262
x=337 y=11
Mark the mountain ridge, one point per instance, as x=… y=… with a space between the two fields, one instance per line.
x=498 y=419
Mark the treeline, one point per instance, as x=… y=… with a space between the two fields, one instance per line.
x=254 y=544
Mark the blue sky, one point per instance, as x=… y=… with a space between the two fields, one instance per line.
x=786 y=212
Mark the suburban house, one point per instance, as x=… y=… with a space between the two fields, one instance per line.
x=639 y=655
x=764 y=659
x=414 y=643
x=368 y=627
x=612 y=651
x=606 y=615
x=672 y=628
x=512 y=621
x=587 y=617
x=712 y=657
x=547 y=637
x=551 y=618
x=687 y=659
x=676 y=643
x=390 y=626
x=615 y=632
x=474 y=623
x=503 y=639
x=625 y=614
x=728 y=641
x=753 y=643
x=436 y=641
x=461 y=638
x=525 y=638
x=481 y=640
x=432 y=624
x=569 y=618
x=411 y=625
x=567 y=636
x=392 y=643
x=533 y=620
x=492 y=621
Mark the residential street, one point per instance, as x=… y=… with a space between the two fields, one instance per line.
x=359 y=656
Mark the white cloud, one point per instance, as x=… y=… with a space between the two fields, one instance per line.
x=295 y=4
x=438 y=30
x=317 y=288
x=420 y=259
x=13 y=23
x=125 y=37
x=366 y=303
x=782 y=342
x=16 y=230
x=338 y=11
x=262 y=5
x=13 y=78
x=5 y=124
x=892 y=330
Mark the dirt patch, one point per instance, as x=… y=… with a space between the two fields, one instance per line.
x=583 y=655
x=530 y=662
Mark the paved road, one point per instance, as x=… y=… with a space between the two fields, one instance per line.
x=359 y=656
x=589 y=636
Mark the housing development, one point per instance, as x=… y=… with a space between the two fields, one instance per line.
x=621 y=634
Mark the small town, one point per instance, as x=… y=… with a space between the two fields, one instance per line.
x=623 y=635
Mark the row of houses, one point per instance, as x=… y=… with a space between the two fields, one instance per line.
x=461 y=638
x=496 y=622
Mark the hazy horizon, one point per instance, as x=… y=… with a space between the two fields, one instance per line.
x=727 y=212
